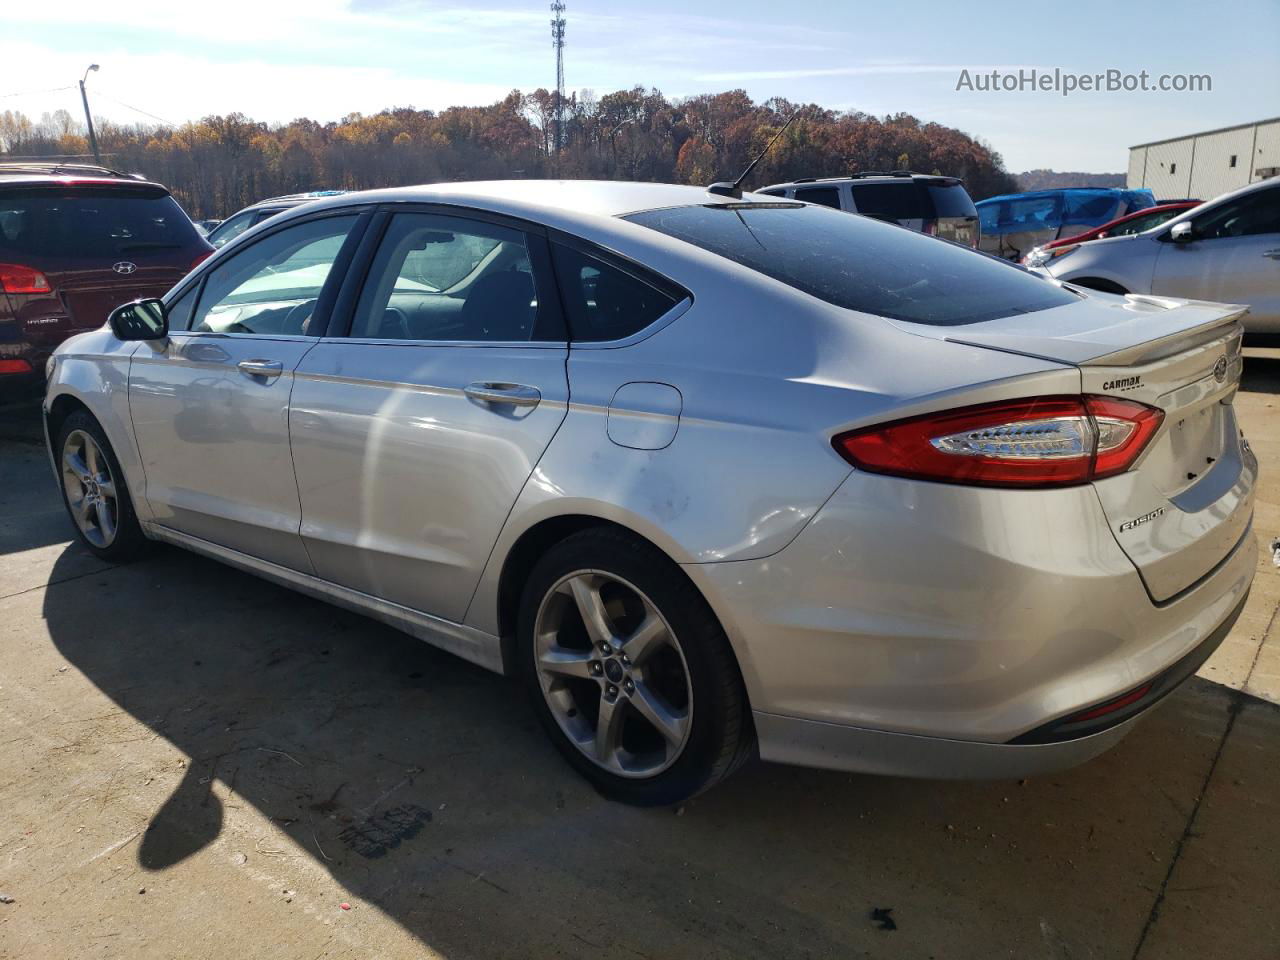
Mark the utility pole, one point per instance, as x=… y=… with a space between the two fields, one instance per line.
x=88 y=117
x=557 y=41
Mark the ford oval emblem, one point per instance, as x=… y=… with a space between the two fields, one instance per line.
x=1220 y=369
x=124 y=267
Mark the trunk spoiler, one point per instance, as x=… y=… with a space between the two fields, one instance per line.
x=1108 y=330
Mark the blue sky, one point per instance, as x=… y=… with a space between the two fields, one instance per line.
x=279 y=59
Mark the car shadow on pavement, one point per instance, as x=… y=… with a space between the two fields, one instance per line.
x=1261 y=373
x=424 y=786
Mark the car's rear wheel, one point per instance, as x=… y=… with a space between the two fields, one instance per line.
x=629 y=670
x=94 y=490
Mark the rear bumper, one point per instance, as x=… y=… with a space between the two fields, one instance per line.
x=917 y=628
x=837 y=747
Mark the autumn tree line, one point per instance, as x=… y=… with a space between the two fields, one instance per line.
x=222 y=163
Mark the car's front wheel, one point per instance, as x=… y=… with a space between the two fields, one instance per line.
x=94 y=490
x=630 y=672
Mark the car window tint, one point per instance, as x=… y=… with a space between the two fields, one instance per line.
x=228 y=230
x=602 y=301
x=857 y=263
x=1250 y=215
x=825 y=196
x=179 y=311
x=271 y=287
x=1085 y=208
x=950 y=200
x=82 y=222
x=440 y=278
x=890 y=201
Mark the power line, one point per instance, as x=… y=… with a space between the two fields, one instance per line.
x=33 y=93
x=167 y=123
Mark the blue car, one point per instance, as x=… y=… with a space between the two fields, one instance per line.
x=1016 y=223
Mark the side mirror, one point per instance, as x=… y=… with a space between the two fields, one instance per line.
x=1182 y=232
x=140 y=320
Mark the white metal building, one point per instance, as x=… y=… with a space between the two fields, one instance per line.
x=1205 y=165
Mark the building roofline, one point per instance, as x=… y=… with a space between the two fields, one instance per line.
x=1206 y=133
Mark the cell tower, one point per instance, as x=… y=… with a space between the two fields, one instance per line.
x=557 y=41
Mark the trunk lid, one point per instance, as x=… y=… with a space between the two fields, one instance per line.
x=1188 y=502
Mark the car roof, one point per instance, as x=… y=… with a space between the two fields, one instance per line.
x=17 y=173
x=1054 y=191
x=534 y=199
x=871 y=177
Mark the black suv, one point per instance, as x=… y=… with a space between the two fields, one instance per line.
x=938 y=206
x=76 y=241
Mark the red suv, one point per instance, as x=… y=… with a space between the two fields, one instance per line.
x=75 y=242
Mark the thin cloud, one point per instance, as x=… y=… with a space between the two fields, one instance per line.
x=861 y=70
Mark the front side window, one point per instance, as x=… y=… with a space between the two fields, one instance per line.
x=448 y=279
x=1247 y=216
x=1145 y=222
x=179 y=312
x=824 y=196
x=859 y=264
x=270 y=288
x=604 y=302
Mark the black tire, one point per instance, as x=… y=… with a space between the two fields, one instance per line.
x=128 y=541
x=721 y=737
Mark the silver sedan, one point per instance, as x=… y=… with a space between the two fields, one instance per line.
x=712 y=476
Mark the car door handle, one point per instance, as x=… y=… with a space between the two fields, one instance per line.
x=511 y=394
x=270 y=369
x=1273 y=254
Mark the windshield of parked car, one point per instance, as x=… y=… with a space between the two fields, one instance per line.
x=86 y=223
x=861 y=264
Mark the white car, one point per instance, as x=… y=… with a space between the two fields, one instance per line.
x=1225 y=250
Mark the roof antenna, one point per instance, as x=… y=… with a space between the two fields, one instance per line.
x=726 y=189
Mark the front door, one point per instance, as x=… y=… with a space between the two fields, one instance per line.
x=1233 y=258
x=414 y=435
x=210 y=404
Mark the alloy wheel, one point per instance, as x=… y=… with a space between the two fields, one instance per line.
x=613 y=674
x=90 y=489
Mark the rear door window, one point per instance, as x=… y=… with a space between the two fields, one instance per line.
x=825 y=196
x=454 y=279
x=855 y=263
x=93 y=224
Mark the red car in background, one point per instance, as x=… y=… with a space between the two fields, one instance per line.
x=76 y=241
x=1120 y=226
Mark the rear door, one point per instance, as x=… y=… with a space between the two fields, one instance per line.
x=415 y=427
x=1235 y=258
x=97 y=246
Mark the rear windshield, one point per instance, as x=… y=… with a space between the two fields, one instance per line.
x=85 y=223
x=859 y=264
x=903 y=200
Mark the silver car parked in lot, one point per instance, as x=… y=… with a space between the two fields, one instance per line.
x=706 y=473
x=1226 y=249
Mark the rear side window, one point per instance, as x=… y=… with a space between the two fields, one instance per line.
x=1089 y=209
x=855 y=263
x=84 y=223
x=826 y=196
x=604 y=302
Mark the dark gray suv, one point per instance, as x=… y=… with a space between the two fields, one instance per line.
x=938 y=206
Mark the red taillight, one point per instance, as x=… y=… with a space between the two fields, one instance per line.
x=15 y=278
x=14 y=366
x=199 y=260
x=1039 y=442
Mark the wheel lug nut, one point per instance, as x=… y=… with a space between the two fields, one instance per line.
x=626 y=661
x=596 y=668
x=628 y=686
x=613 y=691
x=605 y=649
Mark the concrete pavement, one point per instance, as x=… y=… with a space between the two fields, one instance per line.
x=195 y=763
